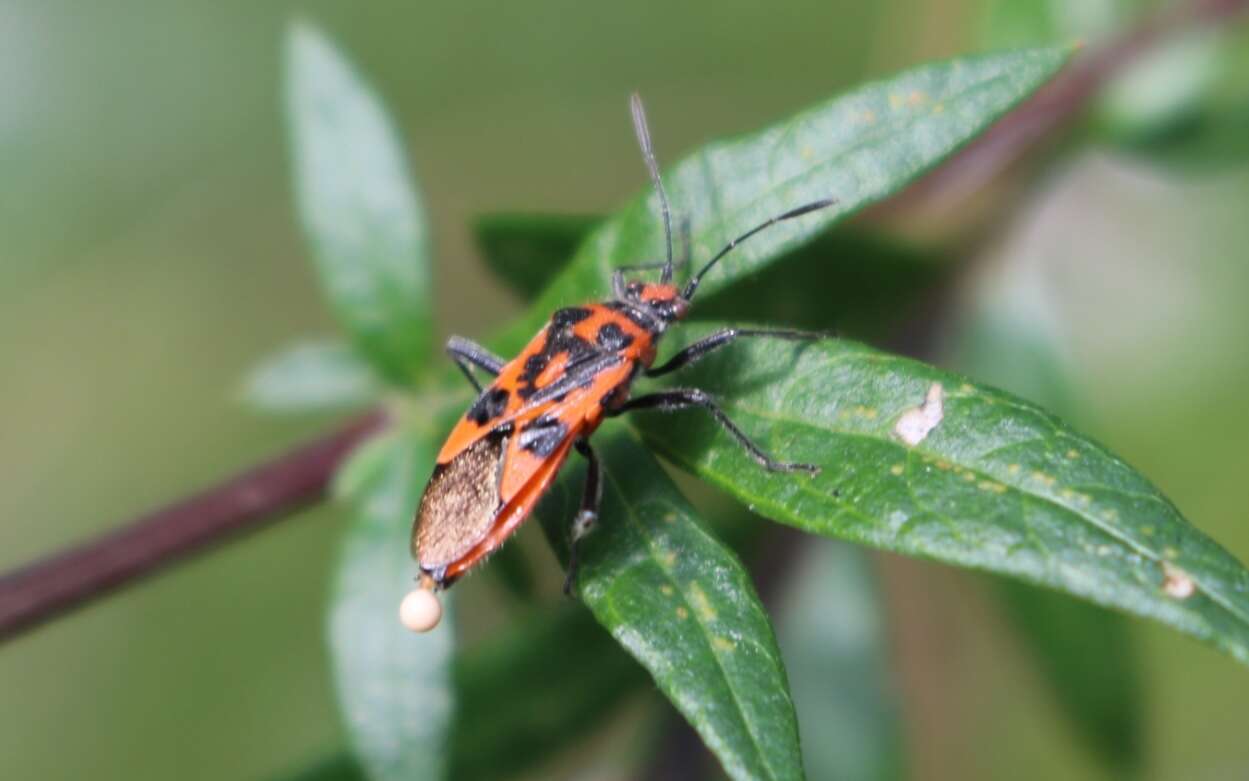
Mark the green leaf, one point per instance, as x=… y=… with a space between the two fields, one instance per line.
x=362 y=215
x=681 y=603
x=997 y=484
x=311 y=377
x=1011 y=337
x=859 y=148
x=526 y=251
x=832 y=633
x=394 y=686
x=534 y=689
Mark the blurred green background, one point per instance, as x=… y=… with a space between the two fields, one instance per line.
x=149 y=256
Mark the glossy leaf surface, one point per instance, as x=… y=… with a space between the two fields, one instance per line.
x=989 y=481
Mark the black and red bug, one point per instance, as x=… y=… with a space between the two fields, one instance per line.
x=579 y=369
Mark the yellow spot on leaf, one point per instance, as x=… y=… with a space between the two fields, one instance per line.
x=969 y=477
x=702 y=605
x=723 y=644
x=944 y=465
x=1072 y=454
x=869 y=117
x=896 y=469
x=670 y=518
x=915 y=98
x=682 y=613
x=666 y=589
x=807 y=153
x=895 y=101
x=989 y=485
x=1013 y=469
x=938 y=108
x=1041 y=477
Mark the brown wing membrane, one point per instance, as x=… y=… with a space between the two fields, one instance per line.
x=459 y=505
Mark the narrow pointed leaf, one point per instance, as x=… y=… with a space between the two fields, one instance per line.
x=859 y=148
x=394 y=687
x=361 y=213
x=681 y=603
x=988 y=481
x=311 y=377
x=832 y=633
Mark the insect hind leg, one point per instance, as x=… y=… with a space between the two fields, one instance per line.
x=468 y=354
x=587 y=514
x=683 y=398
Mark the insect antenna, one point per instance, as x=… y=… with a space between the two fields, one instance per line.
x=692 y=286
x=648 y=154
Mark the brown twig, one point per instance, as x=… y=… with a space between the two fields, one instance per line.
x=45 y=589
x=56 y=585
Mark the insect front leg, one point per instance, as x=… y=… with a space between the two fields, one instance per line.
x=727 y=336
x=468 y=354
x=683 y=398
x=587 y=514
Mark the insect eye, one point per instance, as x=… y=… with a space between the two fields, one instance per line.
x=634 y=289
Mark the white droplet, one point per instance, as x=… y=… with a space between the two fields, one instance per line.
x=420 y=610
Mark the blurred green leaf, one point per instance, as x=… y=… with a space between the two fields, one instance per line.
x=1090 y=664
x=682 y=604
x=393 y=686
x=526 y=251
x=311 y=377
x=534 y=689
x=341 y=767
x=1187 y=105
x=1010 y=337
x=361 y=213
x=860 y=148
x=832 y=634
x=997 y=484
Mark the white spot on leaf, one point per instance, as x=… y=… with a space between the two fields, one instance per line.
x=915 y=424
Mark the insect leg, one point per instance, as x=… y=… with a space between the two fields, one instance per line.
x=586 y=516
x=682 y=398
x=468 y=354
x=720 y=338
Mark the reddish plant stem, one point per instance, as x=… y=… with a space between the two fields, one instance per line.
x=51 y=587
